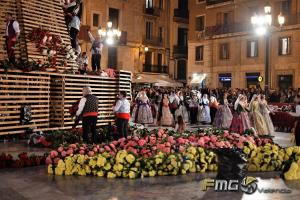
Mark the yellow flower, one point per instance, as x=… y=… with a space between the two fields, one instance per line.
x=174 y=163
x=130 y=158
x=132 y=175
x=170 y=167
x=120 y=156
x=289 y=151
x=92 y=163
x=152 y=173
x=80 y=159
x=100 y=173
x=124 y=174
x=81 y=172
x=107 y=166
x=87 y=169
x=291 y=174
x=246 y=150
x=50 y=170
x=137 y=164
x=192 y=150
x=101 y=161
x=158 y=161
x=183 y=171
x=252 y=168
x=111 y=175
x=118 y=167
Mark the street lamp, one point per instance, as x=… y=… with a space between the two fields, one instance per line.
x=109 y=34
x=262 y=25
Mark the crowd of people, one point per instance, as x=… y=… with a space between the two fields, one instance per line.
x=234 y=109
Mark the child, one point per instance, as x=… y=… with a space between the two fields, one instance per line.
x=180 y=125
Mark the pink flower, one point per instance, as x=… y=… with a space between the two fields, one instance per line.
x=135 y=138
x=181 y=149
x=91 y=153
x=166 y=149
x=95 y=149
x=164 y=135
x=48 y=160
x=154 y=148
x=56 y=160
x=171 y=140
x=81 y=152
x=63 y=154
x=69 y=151
x=60 y=149
x=181 y=141
x=106 y=148
x=206 y=139
x=201 y=142
x=141 y=142
x=121 y=140
x=53 y=154
x=167 y=144
x=101 y=150
x=152 y=141
x=82 y=148
x=213 y=138
x=115 y=142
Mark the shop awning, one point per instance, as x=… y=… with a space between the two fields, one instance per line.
x=157 y=80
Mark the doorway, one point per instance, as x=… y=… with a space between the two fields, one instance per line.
x=181 y=69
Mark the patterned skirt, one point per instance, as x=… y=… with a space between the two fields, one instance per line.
x=237 y=124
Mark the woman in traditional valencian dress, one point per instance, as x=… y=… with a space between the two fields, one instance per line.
x=244 y=114
x=204 y=115
x=181 y=111
x=240 y=121
x=258 y=120
x=265 y=111
x=166 y=115
x=223 y=116
x=213 y=106
x=193 y=107
x=143 y=114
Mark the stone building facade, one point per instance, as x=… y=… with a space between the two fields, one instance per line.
x=224 y=49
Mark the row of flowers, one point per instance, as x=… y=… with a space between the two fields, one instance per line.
x=125 y=164
x=23 y=160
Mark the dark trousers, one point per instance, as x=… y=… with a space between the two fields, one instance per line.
x=89 y=125
x=10 y=49
x=122 y=126
x=193 y=115
x=73 y=34
x=96 y=60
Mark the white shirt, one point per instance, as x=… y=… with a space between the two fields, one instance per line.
x=81 y=106
x=98 y=49
x=75 y=23
x=297 y=114
x=15 y=25
x=122 y=106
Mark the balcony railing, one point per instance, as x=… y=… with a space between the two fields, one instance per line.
x=214 y=2
x=153 y=41
x=225 y=29
x=181 y=15
x=155 y=68
x=180 y=51
x=152 y=11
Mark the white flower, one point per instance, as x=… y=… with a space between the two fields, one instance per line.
x=45 y=39
x=68 y=47
x=50 y=38
x=45 y=52
x=68 y=56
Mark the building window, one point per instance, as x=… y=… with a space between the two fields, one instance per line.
x=200 y=21
x=96 y=20
x=149 y=28
x=149 y=3
x=161 y=4
x=112 y=57
x=114 y=17
x=252 y=49
x=199 y=53
x=224 y=51
x=160 y=34
x=159 y=59
x=286 y=6
x=284 y=46
x=200 y=1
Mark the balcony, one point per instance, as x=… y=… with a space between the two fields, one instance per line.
x=153 y=41
x=215 y=2
x=226 y=29
x=155 y=69
x=152 y=11
x=180 y=51
x=181 y=16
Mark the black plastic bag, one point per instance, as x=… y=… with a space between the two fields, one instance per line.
x=232 y=164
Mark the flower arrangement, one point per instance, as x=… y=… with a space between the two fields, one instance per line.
x=163 y=152
x=51 y=45
x=23 y=160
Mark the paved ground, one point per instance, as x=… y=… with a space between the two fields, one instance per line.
x=35 y=183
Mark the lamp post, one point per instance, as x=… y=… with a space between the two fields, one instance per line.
x=262 y=25
x=109 y=34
